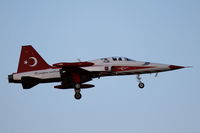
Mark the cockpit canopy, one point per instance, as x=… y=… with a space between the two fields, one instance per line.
x=107 y=60
x=121 y=59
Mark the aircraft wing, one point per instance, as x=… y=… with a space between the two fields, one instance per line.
x=74 y=66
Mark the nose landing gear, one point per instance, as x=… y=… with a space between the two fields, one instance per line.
x=141 y=84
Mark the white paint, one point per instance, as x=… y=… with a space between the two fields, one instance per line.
x=35 y=61
x=41 y=74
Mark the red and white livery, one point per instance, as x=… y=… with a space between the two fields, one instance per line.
x=33 y=69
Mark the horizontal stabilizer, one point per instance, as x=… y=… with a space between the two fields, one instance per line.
x=29 y=82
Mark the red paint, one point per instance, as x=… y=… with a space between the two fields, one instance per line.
x=173 y=67
x=76 y=77
x=30 y=60
x=128 y=68
x=87 y=85
x=73 y=64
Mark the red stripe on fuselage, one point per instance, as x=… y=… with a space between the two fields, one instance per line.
x=128 y=68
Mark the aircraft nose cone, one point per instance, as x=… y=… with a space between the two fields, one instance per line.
x=173 y=67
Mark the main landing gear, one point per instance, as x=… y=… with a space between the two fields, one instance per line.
x=77 y=95
x=77 y=89
x=141 y=84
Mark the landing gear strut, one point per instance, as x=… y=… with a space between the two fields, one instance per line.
x=141 y=84
x=77 y=89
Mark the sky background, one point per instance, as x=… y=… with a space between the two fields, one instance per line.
x=161 y=31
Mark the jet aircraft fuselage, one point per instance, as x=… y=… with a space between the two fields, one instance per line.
x=33 y=69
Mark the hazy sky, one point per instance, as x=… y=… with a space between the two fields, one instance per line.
x=162 y=31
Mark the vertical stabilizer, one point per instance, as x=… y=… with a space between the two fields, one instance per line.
x=30 y=60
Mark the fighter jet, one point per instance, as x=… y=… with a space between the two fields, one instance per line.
x=33 y=70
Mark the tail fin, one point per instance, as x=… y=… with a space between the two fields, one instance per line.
x=30 y=60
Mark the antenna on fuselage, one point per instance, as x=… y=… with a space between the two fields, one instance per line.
x=79 y=60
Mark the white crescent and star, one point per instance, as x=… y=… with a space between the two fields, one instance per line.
x=31 y=65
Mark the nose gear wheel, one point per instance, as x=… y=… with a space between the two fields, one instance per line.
x=141 y=84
